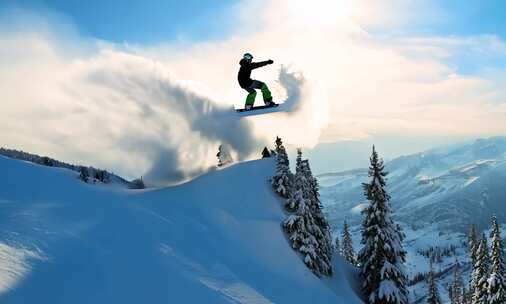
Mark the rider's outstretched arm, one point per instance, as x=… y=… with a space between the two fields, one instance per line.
x=260 y=64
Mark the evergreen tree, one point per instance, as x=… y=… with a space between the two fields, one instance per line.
x=311 y=182
x=300 y=180
x=279 y=145
x=433 y=292
x=300 y=227
x=382 y=255
x=480 y=272
x=472 y=245
x=496 y=280
x=299 y=183
x=282 y=180
x=322 y=234
x=456 y=288
x=308 y=229
x=347 y=245
x=266 y=153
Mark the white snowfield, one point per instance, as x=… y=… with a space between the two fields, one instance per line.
x=216 y=239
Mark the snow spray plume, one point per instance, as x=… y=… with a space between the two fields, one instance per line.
x=305 y=111
x=292 y=82
x=114 y=110
x=189 y=127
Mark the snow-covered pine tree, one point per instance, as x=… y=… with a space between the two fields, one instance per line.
x=314 y=197
x=292 y=203
x=347 y=245
x=299 y=227
x=312 y=182
x=307 y=228
x=496 y=281
x=472 y=245
x=433 y=292
x=457 y=285
x=299 y=182
x=487 y=251
x=224 y=156
x=480 y=272
x=322 y=234
x=298 y=162
x=382 y=256
x=282 y=180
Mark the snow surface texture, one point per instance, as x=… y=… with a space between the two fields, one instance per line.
x=216 y=239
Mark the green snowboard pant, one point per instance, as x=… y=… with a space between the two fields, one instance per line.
x=266 y=94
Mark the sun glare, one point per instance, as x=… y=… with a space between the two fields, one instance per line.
x=322 y=12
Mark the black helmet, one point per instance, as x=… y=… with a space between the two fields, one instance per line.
x=247 y=56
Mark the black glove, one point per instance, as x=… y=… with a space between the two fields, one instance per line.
x=270 y=61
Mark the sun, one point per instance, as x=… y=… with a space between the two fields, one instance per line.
x=321 y=13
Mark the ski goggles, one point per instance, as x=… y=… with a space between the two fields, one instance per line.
x=248 y=56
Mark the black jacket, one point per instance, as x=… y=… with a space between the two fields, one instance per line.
x=244 y=75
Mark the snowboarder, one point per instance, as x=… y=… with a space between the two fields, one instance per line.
x=245 y=81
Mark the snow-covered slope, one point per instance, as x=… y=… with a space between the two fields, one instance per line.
x=216 y=239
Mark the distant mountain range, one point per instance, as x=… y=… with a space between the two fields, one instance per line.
x=448 y=187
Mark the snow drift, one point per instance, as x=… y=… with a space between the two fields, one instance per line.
x=216 y=239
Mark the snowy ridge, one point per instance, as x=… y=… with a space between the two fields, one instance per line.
x=216 y=239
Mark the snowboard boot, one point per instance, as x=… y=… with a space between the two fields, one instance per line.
x=269 y=103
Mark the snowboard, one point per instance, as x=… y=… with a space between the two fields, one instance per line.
x=257 y=108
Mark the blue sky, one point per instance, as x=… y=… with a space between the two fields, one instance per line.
x=472 y=17
x=152 y=21
x=149 y=21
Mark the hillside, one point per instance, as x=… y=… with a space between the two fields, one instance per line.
x=216 y=239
